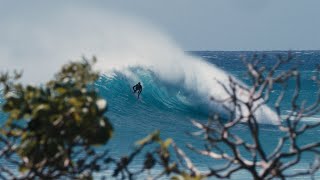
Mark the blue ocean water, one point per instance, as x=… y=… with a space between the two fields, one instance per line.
x=169 y=107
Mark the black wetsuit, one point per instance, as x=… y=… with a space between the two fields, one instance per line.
x=138 y=88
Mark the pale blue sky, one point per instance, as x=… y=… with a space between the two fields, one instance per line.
x=199 y=25
x=39 y=36
x=233 y=24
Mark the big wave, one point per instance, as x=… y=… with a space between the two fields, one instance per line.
x=121 y=43
x=152 y=53
x=187 y=91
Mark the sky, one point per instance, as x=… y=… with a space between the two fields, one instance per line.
x=232 y=24
x=38 y=33
x=205 y=24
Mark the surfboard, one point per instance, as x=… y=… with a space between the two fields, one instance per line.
x=135 y=94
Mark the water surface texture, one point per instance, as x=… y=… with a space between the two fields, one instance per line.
x=171 y=98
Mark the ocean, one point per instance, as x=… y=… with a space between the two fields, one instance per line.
x=168 y=103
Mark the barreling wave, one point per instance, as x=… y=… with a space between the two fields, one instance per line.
x=189 y=94
x=156 y=93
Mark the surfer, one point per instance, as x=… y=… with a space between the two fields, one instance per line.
x=138 y=88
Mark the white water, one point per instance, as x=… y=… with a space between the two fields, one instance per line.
x=119 y=42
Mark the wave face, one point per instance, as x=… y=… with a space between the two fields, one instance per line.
x=188 y=94
x=183 y=84
x=156 y=93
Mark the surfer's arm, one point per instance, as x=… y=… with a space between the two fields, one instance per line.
x=133 y=87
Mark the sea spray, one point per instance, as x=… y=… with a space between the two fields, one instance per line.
x=120 y=42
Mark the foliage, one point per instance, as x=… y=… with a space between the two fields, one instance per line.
x=53 y=127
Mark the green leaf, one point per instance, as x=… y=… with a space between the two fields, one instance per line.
x=61 y=90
